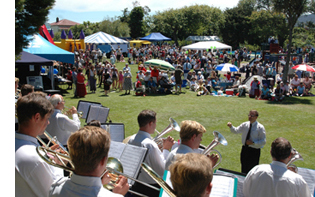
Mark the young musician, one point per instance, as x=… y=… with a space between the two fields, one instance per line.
x=88 y=148
x=191 y=175
x=33 y=176
x=154 y=158
x=275 y=179
x=191 y=135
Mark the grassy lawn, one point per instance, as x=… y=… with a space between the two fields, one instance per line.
x=292 y=119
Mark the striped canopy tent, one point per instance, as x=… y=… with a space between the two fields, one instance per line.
x=105 y=42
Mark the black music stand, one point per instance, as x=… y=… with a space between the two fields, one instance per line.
x=83 y=106
x=116 y=131
x=99 y=113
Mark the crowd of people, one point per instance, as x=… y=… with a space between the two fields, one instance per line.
x=191 y=173
x=194 y=69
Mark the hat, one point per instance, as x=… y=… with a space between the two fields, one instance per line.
x=255 y=77
x=199 y=72
x=265 y=84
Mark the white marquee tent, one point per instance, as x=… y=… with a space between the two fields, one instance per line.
x=208 y=45
x=101 y=38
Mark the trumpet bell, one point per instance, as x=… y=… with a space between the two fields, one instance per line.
x=219 y=138
x=174 y=124
x=295 y=156
x=113 y=164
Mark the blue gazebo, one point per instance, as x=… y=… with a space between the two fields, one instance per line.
x=155 y=37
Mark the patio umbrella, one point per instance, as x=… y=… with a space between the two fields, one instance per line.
x=304 y=67
x=161 y=64
x=227 y=67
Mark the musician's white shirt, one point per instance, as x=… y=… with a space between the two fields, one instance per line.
x=80 y=186
x=33 y=176
x=274 y=180
x=154 y=157
x=62 y=126
x=181 y=149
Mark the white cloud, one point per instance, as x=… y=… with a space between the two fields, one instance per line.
x=118 y=5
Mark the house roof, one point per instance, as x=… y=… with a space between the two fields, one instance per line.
x=64 y=22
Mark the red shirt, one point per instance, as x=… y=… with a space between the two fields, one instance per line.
x=155 y=73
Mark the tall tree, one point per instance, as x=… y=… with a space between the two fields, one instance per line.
x=292 y=9
x=180 y=23
x=137 y=27
x=115 y=27
x=260 y=30
x=29 y=16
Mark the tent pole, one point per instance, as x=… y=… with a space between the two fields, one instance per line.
x=52 y=77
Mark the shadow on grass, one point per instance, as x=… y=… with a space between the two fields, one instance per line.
x=293 y=101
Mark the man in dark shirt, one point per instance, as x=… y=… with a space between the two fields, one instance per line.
x=178 y=78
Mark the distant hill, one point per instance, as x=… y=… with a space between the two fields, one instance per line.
x=306 y=18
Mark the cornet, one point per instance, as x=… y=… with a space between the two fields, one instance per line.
x=68 y=112
x=218 y=139
x=172 y=126
x=295 y=156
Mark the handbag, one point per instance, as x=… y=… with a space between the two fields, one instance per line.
x=109 y=81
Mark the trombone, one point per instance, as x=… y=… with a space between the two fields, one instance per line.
x=113 y=166
x=54 y=140
x=218 y=139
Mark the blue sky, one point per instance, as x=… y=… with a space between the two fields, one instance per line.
x=97 y=10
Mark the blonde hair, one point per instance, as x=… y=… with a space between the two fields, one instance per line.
x=189 y=128
x=191 y=173
x=87 y=147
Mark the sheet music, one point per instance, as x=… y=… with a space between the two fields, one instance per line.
x=116 y=149
x=84 y=107
x=117 y=132
x=131 y=159
x=223 y=186
x=97 y=113
x=309 y=176
x=240 y=181
x=106 y=127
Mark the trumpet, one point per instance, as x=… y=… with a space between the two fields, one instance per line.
x=295 y=156
x=218 y=139
x=68 y=112
x=113 y=166
x=172 y=126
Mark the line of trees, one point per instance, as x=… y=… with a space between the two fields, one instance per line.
x=250 y=22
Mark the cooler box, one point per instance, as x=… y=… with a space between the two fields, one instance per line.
x=229 y=91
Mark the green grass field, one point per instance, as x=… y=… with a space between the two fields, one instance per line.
x=292 y=119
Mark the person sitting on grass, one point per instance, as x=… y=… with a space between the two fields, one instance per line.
x=152 y=85
x=279 y=96
x=288 y=89
x=300 y=90
x=193 y=84
x=265 y=92
x=201 y=90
